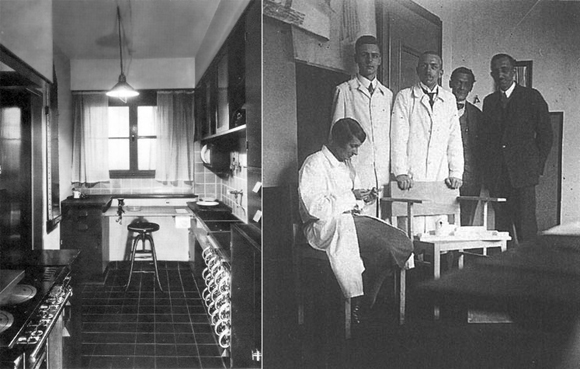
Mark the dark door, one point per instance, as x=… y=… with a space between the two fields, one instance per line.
x=15 y=168
x=405 y=30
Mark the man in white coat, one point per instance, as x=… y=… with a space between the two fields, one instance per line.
x=426 y=140
x=366 y=100
x=330 y=200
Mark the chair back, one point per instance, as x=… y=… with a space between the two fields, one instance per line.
x=435 y=198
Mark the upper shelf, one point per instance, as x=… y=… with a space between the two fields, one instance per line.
x=238 y=130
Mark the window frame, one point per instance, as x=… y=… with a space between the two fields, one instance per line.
x=145 y=98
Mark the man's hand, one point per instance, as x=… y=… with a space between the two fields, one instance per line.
x=404 y=182
x=367 y=196
x=453 y=182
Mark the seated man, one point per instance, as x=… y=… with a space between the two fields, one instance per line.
x=362 y=250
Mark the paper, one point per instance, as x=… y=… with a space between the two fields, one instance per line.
x=182 y=222
x=257 y=187
x=181 y=211
x=257 y=216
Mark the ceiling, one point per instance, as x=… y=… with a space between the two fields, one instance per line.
x=87 y=29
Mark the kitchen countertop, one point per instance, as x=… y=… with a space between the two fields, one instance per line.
x=163 y=211
x=38 y=257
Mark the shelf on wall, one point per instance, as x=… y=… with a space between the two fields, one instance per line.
x=237 y=130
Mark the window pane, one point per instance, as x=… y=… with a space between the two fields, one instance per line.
x=119 y=121
x=146 y=120
x=146 y=152
x=119 y=154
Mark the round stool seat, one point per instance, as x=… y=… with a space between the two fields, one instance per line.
x=143 y=227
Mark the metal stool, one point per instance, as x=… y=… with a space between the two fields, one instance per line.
x=143 y=231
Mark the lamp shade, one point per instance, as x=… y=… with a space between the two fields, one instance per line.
x=122 y=89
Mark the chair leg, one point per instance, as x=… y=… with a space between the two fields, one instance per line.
x=402 y=295
x=154 y=259
x=347 y=318
x=133 y=251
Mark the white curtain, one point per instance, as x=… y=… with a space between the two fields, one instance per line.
x=91 y=138
x=174 y=126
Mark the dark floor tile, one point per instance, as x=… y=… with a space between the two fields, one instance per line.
x=121 y=337
x=202 y=328
x=147 y=309
x=85 y=361
x=127 y=327
x=145 y=327
x=212 y=363
x=179 y=309
x=164 y=328
x=100 y=362
x=185 y=338
x=166 y=362
x=186 y=350
x=165 y=350
x=209 y=350
x=199 y=318
x=163 y=318
x=117 y=349
x=144 y=349
x=183 y=328
x=144 y=362
x=141 y=338
x=205 y=338
x=122 y=362
x=188 y=362
x=87 y=348
x=180 y=318
x=165 y=338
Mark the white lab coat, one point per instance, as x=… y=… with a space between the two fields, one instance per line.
x=426 y=142
x=352 y=99
x=325 y=188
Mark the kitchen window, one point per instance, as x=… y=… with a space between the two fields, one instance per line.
x=132 y=136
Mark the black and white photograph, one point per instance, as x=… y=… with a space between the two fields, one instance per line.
x=280 y=184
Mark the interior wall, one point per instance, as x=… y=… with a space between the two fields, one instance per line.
x=26 y=30
x=545 y=32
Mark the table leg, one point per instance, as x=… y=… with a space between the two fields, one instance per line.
x=436 y=274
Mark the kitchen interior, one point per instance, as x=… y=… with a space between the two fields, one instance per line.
x=303 y=62
x=90 y=182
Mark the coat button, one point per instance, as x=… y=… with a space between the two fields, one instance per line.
x=503 y=146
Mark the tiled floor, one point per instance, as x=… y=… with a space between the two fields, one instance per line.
x=147 y=328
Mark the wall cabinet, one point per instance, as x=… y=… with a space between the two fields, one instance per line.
x=81 y=229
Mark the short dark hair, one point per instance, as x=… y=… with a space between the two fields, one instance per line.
x=502 y=56
x=430 y=52
x=364 y=40
x=345 y=129
x=463 y=70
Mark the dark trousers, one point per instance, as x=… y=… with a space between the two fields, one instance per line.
x=383 y=249
x=519 y=210
x=471 y=187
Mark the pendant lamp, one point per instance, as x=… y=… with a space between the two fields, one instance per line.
x=122 y=89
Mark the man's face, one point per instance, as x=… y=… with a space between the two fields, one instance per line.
x=503 y=73
x=429 y=70
x=461 y=85
x=345 y=152
x=368 y=59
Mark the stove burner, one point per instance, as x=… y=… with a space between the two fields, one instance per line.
x=20 y=294
x=6 y=320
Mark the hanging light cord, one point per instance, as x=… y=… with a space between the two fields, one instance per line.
x=120 y=44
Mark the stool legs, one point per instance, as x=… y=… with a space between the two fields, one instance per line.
x=143 y=236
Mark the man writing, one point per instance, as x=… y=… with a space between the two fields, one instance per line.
x=366 y=100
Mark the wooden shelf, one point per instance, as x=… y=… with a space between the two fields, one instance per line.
x=225 y=133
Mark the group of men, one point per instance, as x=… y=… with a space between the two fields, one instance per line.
x=427 y=134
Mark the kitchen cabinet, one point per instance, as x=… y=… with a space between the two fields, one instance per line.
x=246 y=297
x=81 y=229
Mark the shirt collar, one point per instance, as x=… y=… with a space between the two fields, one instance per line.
x=509 y=91
x=366 y=82
x=425 y=88
x=330 y=156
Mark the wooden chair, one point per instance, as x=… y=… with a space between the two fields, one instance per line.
x=432 y=199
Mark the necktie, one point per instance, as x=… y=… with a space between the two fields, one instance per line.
x=431 y=97
x=371 y=89
x=504 y=100
x=460 y=105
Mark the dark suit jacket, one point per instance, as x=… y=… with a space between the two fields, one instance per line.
x=522 y=145
x=472 y=117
